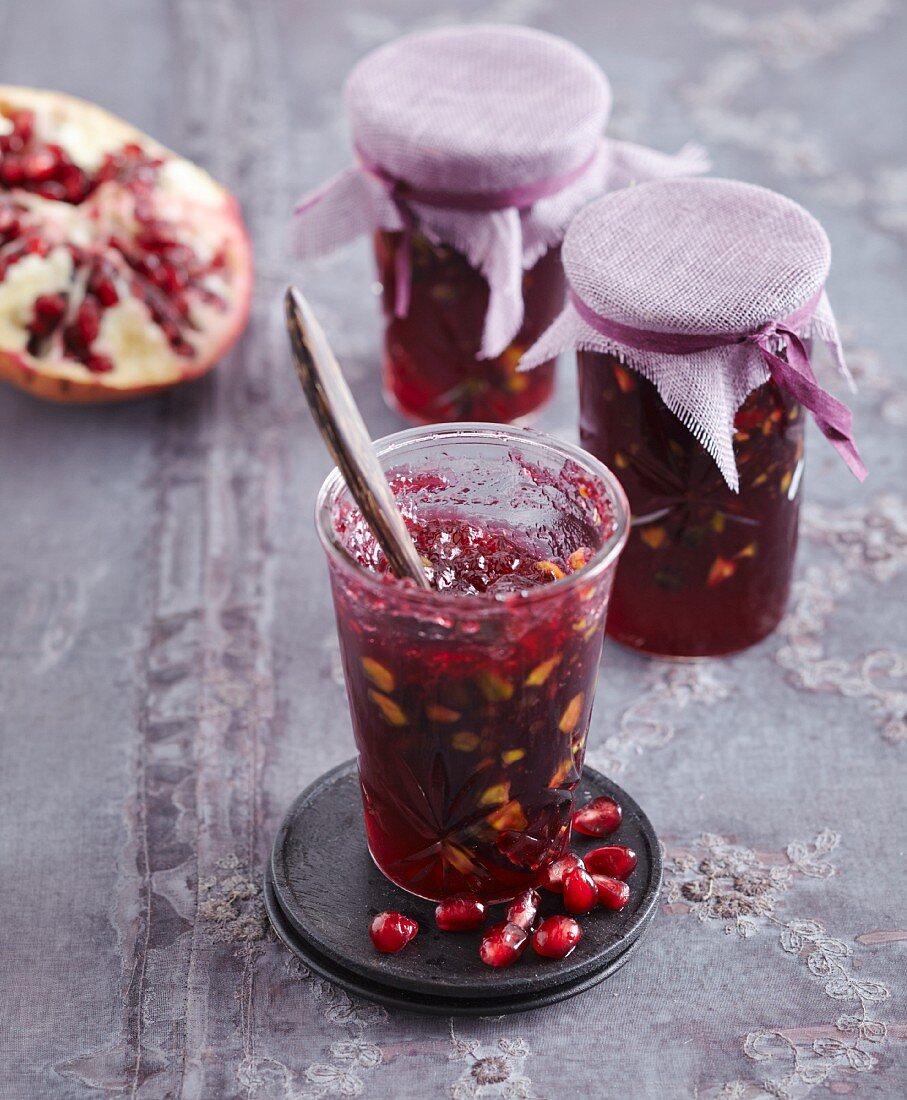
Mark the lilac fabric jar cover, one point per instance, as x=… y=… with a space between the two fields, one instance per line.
x=698 y=284
x=485 y=138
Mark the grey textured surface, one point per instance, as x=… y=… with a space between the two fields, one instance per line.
x=169 y=675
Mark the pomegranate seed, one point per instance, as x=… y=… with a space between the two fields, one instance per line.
x=554 y=873
x=37 y=246
x=99 y=364
x=11 y=171
x=50 y=307
x=460 y=913
x=556 y=937
x=523 y=908
x=616 y=860
x=24 y=125
x=88 y=321
x=612 y=893
x=599 y=817
x=391 y=932
x=105 y=291
x=503 y=944
x=74 y=182
x=40 y=166
x=580 y=894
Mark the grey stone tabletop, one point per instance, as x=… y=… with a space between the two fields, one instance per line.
x=170 y=677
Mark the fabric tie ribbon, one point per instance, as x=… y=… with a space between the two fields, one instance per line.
x=402 y=194
x=793 y=374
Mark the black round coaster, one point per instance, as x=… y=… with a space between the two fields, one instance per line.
x=322 y=890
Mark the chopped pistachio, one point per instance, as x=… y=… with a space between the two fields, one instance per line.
x=721 y=570
x=391 y=711
x=653 y=535
x=381 y=677
x=465 y=741
x=579 y=559
x=541 y=672
x=495 y=688
x=749 y=551
x=625 y=379
x=457 y=856
x=509 y=818
x=786 y=479
x=495 y=795
x=571 y=714
x=553 y=571
x=511 y=756
x=717 y=522
x=561 y=772
x=437 y=713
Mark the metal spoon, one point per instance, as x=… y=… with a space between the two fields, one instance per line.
x=341 y=424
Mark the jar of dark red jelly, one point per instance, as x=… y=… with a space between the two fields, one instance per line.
x=433 y=365
x=471 y=701
x=475 y=145
x=693 y=327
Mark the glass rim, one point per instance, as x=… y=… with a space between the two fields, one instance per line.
x=334 y=484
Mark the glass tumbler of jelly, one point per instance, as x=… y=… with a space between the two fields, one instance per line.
x=471 y=701
x=432 y=368
x=706 y=571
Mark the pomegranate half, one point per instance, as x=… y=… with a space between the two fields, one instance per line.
x=124 y=268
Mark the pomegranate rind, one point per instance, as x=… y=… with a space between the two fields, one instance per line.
x=87 y=132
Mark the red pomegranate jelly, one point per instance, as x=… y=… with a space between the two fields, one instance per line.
x=432 y=371
x=706 y=571
x=470 y=704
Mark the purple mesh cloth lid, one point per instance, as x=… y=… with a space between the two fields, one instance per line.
x=696 y=258
x=477 y=108
x=486 y=138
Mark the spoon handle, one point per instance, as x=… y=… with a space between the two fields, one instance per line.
x=341 y=424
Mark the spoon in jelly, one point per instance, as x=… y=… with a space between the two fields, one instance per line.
x=344 y=431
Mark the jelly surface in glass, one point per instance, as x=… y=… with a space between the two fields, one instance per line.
x=432 y=372
x=471 y=711
x=705 y=571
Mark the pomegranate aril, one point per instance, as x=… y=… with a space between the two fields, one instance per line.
x=50 y=307
x=615 y=860
x=580 y=893
x=522 y=910
x=41 y=165
x=612 y=893
x=99 y=364
x=88 y=321
x=460 y=913
x=391 y=932
x=556 y=937
x=503 y=944
x=553 y=879
x=11 y=171
x=48 y=312
x=105 y=292
x=600 y=817
x=74 y=182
